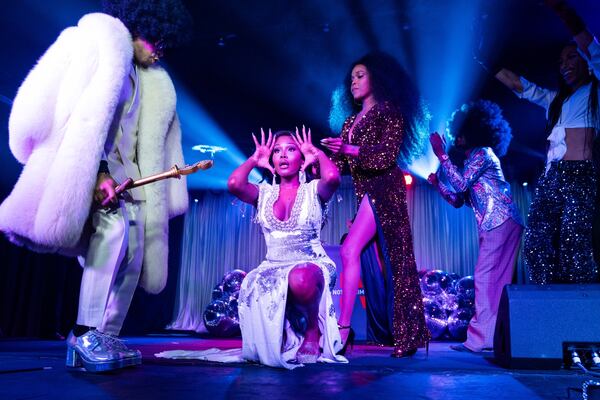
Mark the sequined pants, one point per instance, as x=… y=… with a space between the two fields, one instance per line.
x=558 y=236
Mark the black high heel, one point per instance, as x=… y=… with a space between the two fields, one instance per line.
x=397 y=353
x=349 y=340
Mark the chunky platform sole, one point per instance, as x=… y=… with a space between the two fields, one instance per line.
x=76 y=360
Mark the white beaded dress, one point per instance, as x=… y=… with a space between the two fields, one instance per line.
x=267 y=334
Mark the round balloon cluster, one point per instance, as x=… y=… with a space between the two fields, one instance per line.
x=221 y=315
x=449 y=303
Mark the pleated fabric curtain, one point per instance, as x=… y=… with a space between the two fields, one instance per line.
x=220 y=235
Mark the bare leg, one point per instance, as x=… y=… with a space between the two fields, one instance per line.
x=306 y=285
x=361 y=232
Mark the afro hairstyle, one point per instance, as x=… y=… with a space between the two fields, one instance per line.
x=482 y=124
x=167 y=21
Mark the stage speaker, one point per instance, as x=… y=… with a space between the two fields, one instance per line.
x=536 y=323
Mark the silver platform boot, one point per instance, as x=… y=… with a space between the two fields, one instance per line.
x=97 y=352
x=134 y=357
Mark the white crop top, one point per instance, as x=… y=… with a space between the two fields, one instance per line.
x=574 y=112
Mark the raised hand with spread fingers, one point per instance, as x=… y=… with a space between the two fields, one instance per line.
x=263 y=150
x=304 y=143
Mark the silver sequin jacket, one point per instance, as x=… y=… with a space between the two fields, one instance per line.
x=481 y=185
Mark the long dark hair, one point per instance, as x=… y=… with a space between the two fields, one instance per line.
x=389 y=83
x=564 y=91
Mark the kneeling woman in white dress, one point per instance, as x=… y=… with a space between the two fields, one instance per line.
x=287 y=317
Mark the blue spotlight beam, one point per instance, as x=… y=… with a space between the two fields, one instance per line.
x=198 y=127
x=447 y=75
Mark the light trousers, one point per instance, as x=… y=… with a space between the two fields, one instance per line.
x=495 y=266
x=112 y=266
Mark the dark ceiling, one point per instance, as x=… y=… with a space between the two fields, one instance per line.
x=275 y=63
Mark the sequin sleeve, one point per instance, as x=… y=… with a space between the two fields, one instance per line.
x=455 y=199
x=339 y=160
x=475 y=166
x=383 y=155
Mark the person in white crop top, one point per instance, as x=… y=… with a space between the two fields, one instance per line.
x=558 y=237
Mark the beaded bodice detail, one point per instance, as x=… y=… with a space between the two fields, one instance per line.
x=297 y=239
x=290 y=223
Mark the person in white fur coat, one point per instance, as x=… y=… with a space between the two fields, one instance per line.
x=93 y=111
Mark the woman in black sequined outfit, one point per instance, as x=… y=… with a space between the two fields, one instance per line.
x=558 y=236
x=382 y=132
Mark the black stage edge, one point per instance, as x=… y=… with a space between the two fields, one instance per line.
x=33 y=369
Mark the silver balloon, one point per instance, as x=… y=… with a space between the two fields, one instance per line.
x=219 y=321
x=466 y=286
x=214 y=313
x=221 y=315
x=430 y=303
x=458 y=323
x=465 y=301
x=232 y=281
x=454 y=278
x=448 y=302
x=433 y=282
x=217 y=293
x=227 y=327
x=433 y=309
x=437 y=327
x=232 y=309
x=435 y=318
x=446 y=282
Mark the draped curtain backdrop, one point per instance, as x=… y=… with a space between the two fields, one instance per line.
x=220 y=235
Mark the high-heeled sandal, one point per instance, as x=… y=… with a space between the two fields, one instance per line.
x=311 y=356
x=398 y=353
x=349 y=340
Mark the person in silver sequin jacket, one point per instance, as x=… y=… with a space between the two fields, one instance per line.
x=481 y=132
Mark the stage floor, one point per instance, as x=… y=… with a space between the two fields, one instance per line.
x=35 y=370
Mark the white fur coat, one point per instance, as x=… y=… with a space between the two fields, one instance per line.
x=57 y=129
